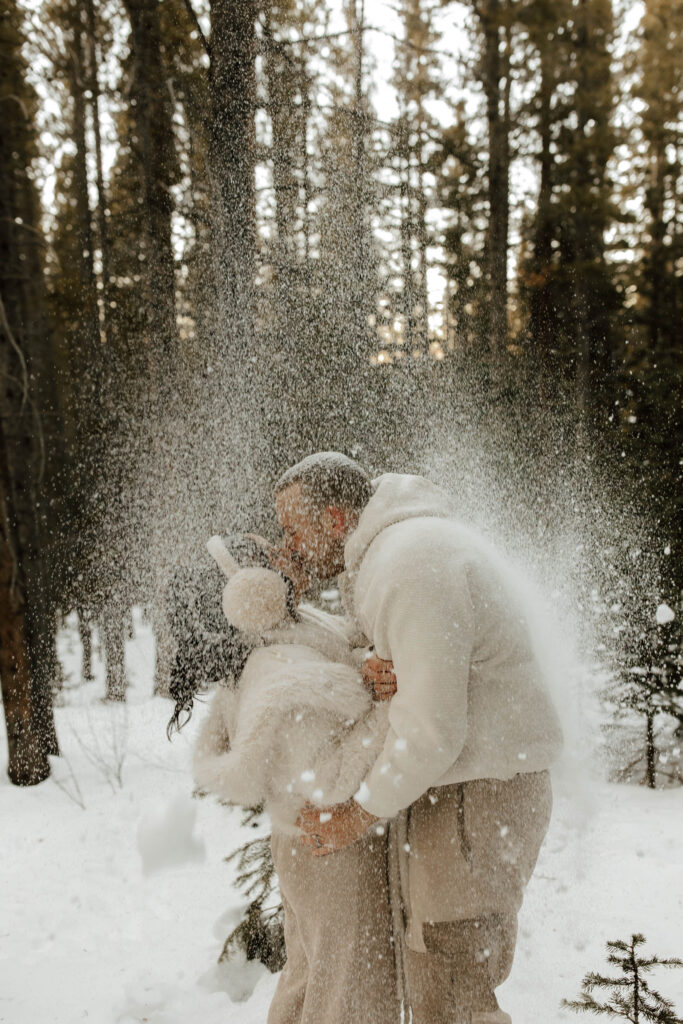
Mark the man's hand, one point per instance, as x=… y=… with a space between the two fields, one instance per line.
x=379 y=677
x=327 y=829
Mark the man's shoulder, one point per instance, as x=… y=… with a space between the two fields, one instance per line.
x=416 y=553
x=423 y=536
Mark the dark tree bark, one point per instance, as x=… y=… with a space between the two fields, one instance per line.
x=85 y=634
x=422 y=239
x=154 y=146
x=30 y=733
x=541 y=309
x=359 y=128
x=232 y=163
x=113 y=625
x=406 y=234
x=495 y=71
x=285 y=78
x=30 y=451
x=650 y=751
x=94 y=82
x=88 y=332
x=594 y=297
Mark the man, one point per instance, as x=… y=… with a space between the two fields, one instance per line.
x=447 y=826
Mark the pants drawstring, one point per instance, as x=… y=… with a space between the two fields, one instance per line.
x=396 y=843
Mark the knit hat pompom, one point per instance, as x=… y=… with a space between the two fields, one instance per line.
x=255 y=600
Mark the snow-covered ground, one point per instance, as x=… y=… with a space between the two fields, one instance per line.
x=115 y=897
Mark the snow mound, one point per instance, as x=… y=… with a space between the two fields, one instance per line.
x=237 y=977
x=166 y=836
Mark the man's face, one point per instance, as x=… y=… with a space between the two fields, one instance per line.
x=315 y=536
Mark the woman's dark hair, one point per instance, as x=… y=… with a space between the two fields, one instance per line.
x=202 y=661
x=208 y=649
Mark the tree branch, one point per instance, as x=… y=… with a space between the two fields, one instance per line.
x=195 y=21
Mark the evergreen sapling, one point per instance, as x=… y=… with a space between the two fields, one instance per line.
x=630 y=996
x=260 y=933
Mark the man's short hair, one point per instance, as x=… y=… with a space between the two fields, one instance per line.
x=329 y=478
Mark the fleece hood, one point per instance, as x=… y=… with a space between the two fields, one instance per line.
x=397 y=496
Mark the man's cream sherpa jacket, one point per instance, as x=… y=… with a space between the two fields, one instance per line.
x=472 y=701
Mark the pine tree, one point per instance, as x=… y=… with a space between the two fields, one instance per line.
x=288 y=293
x=30 y=430
x=260 y=933
x=648 y=683
x=232 y=79
x=460 y=172
x=155 y=162
x=545 y=23
x=415 y=80
x=630 y=995
x=346 y=281
x=566 y=280
x=492 y=36
x=650 y=383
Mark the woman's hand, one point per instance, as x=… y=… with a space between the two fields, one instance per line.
x=326 y=829
x=379 y=677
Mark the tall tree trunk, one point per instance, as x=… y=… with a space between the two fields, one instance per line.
x=657 y=229
x=112 y=627
x=360 y=172
x=282 y=73
x=650 y=751
x=541 y=312
x=593 y=293
x=422 y=238
x=496 y=67
x=29 y=738
x=156 y=153
x=30 y=449
x=232 y=166
x=94 y=81
x=406 y=233
x=88 y=342
x=85 y=635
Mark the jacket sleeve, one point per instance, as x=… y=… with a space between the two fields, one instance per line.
x=423 y=621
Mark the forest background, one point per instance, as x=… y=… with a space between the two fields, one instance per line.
x=442 y=237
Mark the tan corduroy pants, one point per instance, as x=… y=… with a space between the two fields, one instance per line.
x=340 y=959
x=339 y=927
x=454 y=982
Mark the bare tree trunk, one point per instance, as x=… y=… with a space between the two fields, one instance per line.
x=495 y=68
x=422 y=238
x=359 y=159
x=650 y=751
x=153 y=116
x=93 y=61
x=88 y=330
x=30 y=737
x=164 y=646
x=541 y=313
x=113 y=625
x=406 y=233
x=85 y=635
x=232 y=165
x=30 y=440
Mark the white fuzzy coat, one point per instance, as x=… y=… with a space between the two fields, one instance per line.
x=472 y=700
x=299 y=726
